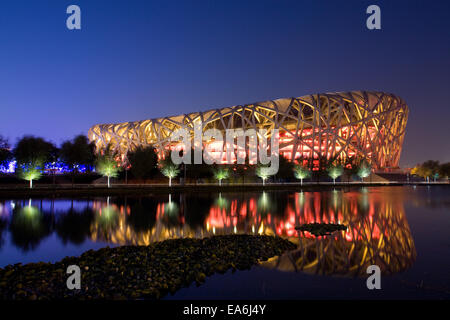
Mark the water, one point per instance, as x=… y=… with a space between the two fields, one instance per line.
x=403 y=230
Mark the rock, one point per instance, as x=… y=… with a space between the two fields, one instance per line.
x=163 y=267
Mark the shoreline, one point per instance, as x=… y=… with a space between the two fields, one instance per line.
x=7 y=191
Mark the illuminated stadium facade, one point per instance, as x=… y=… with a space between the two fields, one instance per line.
x=343 y=125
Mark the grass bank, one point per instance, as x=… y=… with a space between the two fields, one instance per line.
x=139 y=272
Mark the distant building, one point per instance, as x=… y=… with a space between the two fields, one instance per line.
x=341 y=125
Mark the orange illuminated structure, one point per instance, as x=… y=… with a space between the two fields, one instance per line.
x=342 y=125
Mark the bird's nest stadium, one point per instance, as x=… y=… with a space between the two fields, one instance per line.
x=342 y=125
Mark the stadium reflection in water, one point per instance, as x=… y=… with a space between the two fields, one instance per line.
x=378 y=232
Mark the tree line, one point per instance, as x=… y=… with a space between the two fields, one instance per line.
x=432 y=169
x=143 y=163
x=34 y=155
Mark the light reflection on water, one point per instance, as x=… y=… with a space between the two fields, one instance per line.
x=378 y=231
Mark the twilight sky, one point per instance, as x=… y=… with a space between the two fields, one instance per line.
x=134 y=60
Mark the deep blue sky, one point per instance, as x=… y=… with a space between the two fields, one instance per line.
x=134 y=60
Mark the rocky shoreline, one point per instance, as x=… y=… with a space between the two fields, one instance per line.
x=139 y=272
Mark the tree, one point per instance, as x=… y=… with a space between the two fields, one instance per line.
x=107 y=166
x=364 y=169
x=321 y=165
x=221 y=173
x=193 y=170
x=351 y=166
x=433 y=167
x=421 y=171
x=444 y=170
x=427 y=169
x=335 y=171
x=5 y=152
x=143 y=162
x=301 y=172
x=240 y=171
x=78 y=152
x=264 y=172
x=30 y=149
x=168 y=168
x=435 y=176
x=29 y=171
x=324 y=164
x=285 y=168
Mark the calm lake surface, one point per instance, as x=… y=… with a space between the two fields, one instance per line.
x=403 y=230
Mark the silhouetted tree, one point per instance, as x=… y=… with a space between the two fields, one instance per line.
x=444 y=170
x=427 y=169
x=433 y=165
x=143 y=162
x=78 y=152
x=32 y=149
x=323 y=166
x=242 y=171
x=5 y=152
x=285 y=168
x=193 y=170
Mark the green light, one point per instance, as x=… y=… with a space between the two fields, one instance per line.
x=221 y=202
x=263 y=172
x=301 y=172
x=335 y=172
x=108 y=167
x=30 y=172
x=364 y=170
x=169 y=169
x=220 y=174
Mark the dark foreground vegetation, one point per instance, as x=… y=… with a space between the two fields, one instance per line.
x=139 y=272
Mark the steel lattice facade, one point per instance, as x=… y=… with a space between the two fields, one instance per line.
x=359 y=124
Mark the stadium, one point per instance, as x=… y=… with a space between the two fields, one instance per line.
x=342 y=125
